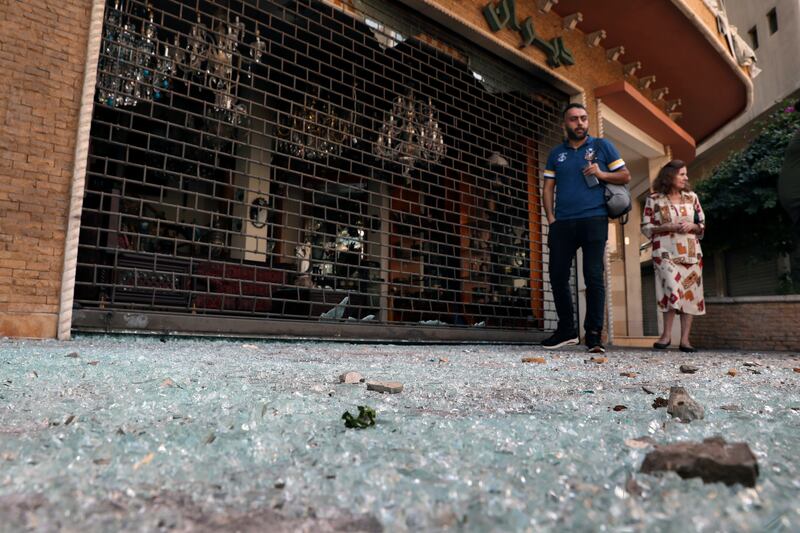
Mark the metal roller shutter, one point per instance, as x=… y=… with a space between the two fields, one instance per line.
x=277 y=162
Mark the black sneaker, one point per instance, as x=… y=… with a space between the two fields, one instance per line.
x=594 y=343
x=559 y=339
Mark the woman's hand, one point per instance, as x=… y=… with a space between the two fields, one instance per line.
x=679 y=227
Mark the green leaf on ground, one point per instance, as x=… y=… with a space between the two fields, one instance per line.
x=366 y=418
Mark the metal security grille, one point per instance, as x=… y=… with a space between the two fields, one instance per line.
x=280 y=166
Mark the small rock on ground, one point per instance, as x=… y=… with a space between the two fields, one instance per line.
x=713 y=460
x=688 y=369
x=391 y=387
x=351 y=377
x=640 y=443
x=682 y=406
x=660 y=402
x=632 y=487
x=539 y=360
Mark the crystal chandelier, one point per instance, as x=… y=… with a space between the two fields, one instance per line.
x=212 y=59
x=409 y=133
x=257 y=51
x=130 y=68
x=135 y=66
x=316 y=130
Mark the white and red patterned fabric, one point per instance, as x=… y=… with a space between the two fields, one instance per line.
x=677 y=257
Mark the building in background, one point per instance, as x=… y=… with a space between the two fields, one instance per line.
x=747 y=282
x=349 y=168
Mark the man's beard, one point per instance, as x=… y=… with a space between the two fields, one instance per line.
x=572 y=136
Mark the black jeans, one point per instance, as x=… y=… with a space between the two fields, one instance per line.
x=566 y=236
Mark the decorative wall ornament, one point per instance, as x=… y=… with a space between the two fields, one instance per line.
x=546 y=5
x=570 y=22
x=660 y=93
x=613 y=54
x=410 y=132
x=504 y=14
x=672 y=105
x=630 y=68
x=593 y=39
x=646 y=81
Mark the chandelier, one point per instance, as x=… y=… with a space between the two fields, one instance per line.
x=410 y=132
x=212 y=59
x=135 y=66
x=131 y=69
x=316 y=130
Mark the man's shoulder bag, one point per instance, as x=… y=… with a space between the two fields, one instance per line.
x=618 y=201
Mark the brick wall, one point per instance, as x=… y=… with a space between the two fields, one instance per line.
x=42 y=54
x=748 y=324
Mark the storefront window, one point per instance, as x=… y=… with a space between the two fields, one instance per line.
x=289 y=160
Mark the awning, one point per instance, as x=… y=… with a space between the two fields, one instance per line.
x=672 y=44
x=626 y=100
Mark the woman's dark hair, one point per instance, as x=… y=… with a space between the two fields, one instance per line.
x=663 y=182
x=573 y=105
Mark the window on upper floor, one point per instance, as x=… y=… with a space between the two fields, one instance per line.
x=753 y=33
x=772 y=20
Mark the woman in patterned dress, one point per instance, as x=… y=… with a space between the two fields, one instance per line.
x=674 y=222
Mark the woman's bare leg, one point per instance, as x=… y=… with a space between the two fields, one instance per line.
x=666 y=336
x=686 y=329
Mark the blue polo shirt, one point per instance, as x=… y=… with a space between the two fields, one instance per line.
x=574 y=199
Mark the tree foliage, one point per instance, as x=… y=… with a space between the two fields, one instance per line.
x=740 y=198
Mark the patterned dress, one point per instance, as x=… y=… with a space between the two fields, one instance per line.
x=677 y=257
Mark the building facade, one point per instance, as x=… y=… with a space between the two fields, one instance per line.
x=356 y=169
x=745 y=285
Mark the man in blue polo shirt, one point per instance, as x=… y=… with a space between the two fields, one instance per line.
x=576 y=211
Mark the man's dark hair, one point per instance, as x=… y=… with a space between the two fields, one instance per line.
x=574 y=105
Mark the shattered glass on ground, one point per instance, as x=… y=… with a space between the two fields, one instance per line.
x=139 y=433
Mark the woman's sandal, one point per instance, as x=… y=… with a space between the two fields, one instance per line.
x=661 y=345
x=688 y=349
